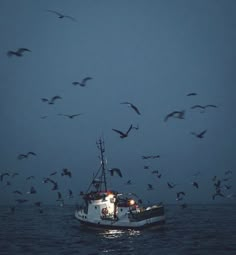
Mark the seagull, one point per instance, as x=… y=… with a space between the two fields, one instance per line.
x=70 y=116
x=228 y=172
x=175 y=114
x=171 y=186
x=115 y=170
x=203 y=107
x=32 y=190
x=195 y=184
x=123 y=135
x=22 y=156
x=155 y=172
x=133 y=107
x=61 y=16
x=179 y=194
x=65 y=171
x=218 y=193
x=2 y=175
x=53 y=173
x=83 y=83
x=199 y=135
x=153 y=157
x=59 y=197
x=52 y=100
x=30 y=177
x=70 y=193
x=19 y=52
x=17 y=192
x=192 y=94
x=21 y=201
x=150 y=187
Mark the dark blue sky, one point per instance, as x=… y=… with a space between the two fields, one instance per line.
x=150 y=53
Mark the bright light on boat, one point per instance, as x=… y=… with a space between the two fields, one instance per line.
x=131 y=202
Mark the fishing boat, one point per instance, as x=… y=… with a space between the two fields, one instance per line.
x=105 y=208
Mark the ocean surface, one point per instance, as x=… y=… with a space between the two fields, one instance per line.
x=197 y=229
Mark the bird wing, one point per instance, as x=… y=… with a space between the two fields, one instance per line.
x=86 y=79
x=210 y=105
x=44 y=99
x=203 y=132
x=136 y=109
x=74 y=115
x=118 y=131
x=55 y=98
x=21 y=50
x=129 y=129
x=168 y=116
x=58 y=13
x=31 y=153
x=198 y=106
x=10 y=53
x=192 y=94
x=21 y=156
x=69 y=17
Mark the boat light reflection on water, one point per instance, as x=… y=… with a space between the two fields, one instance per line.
x=117 y=233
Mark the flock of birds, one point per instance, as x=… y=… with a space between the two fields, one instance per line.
x=219 y=184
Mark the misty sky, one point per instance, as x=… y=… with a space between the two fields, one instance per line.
x=150 y=53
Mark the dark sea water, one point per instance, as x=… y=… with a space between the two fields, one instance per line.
x=197 y=229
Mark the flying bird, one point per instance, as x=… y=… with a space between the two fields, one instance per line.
x=21 y=201
x=150 y=187
x=199 y=135
x=30 y=177
x=70 y=116
x=179 y=195
x=59 y=196
x=19 y=52
x=53 y=173
x=175 y=114
x=52 y=100
x=228 y=172
x=32 y=190
x=83 y=83
x=192 y=94
x=65 y=171
x=203 y=107
x=70 y=195
x=122 y=134
x=171 y=186
x=61 y=16
x=17 y=192
x=133 y=107
x=115 y=170
x=22 y=156
x=2 y=176
x=195 y=184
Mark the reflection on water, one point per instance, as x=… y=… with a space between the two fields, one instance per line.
x=117 y=233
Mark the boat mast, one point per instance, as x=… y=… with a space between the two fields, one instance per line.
x=101 y=147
